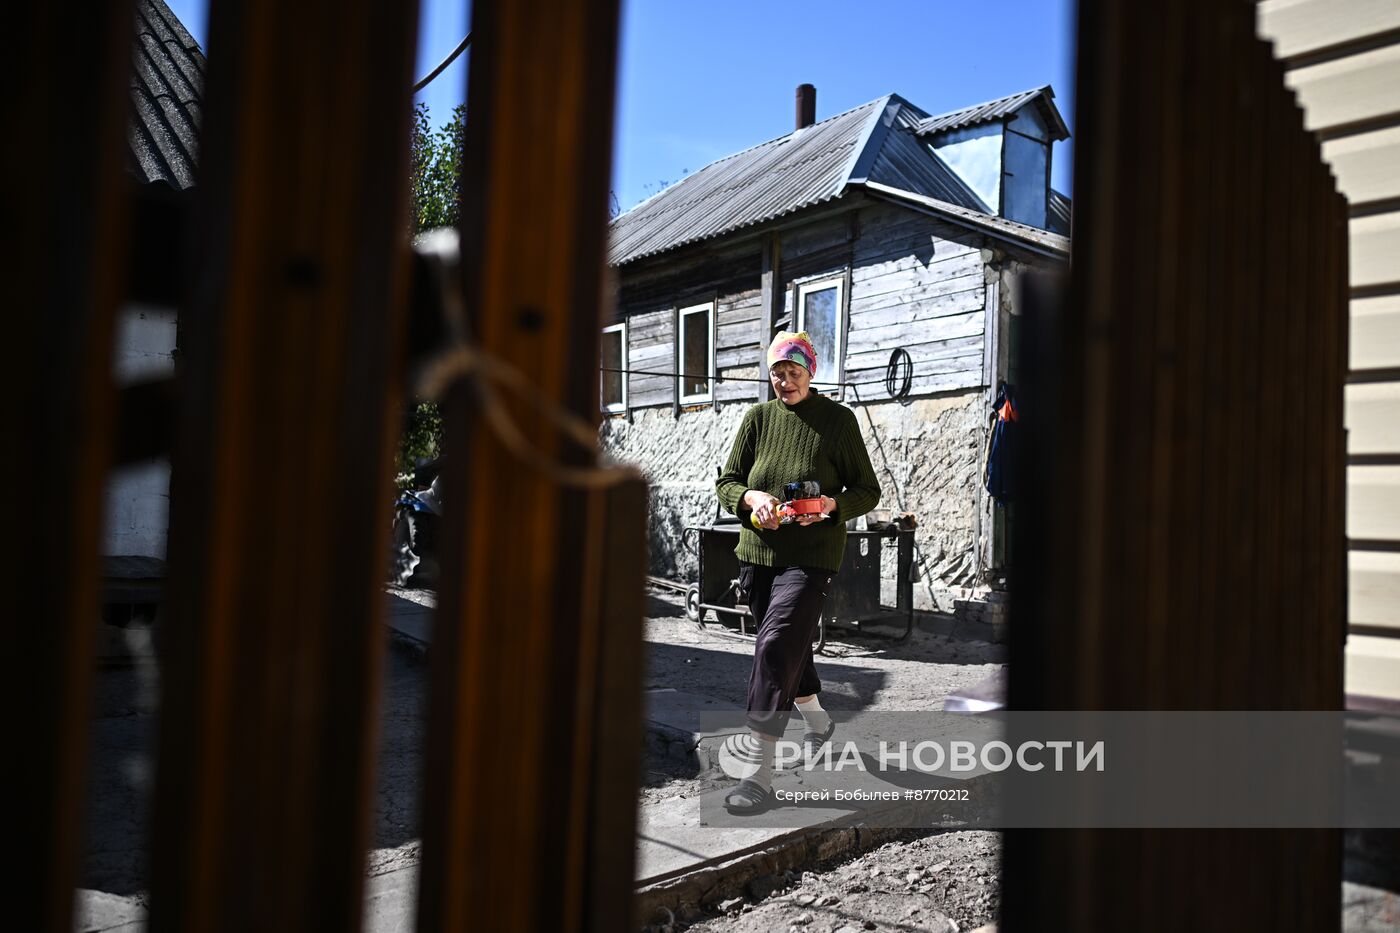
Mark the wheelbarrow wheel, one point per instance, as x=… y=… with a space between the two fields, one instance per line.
x=692 y=604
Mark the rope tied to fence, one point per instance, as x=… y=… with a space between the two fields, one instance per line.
x=487 y=373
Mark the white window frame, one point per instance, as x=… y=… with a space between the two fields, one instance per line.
x=619 y=408
x=838 y=364
x=708 y=308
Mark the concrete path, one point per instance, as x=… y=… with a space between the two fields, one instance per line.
x=409 y=614
x=671 y=839
x=674 y=837
x=672 y=842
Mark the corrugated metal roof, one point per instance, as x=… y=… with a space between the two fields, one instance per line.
x=1042 y=240
x=167 y=86
x=1043 y=97
x=905 y=161
x=1058 y=213
x=793 y=171
x=806 y=167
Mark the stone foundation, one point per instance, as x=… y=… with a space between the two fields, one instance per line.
x=982 y=615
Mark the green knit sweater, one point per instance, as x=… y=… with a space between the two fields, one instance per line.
x=816 y=439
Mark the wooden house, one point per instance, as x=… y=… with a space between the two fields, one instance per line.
x=893 y=236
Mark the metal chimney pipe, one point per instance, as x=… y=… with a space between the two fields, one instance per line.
x=806 y=105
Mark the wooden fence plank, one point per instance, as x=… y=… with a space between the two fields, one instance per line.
x=1177 y=547
x=294 y=332
x=65 y=209
x=524 y=694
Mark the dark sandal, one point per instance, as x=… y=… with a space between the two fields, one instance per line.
x=749 y=797
x=813 y=741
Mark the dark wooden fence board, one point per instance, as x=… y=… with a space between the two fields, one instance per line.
x=64 y=259
x=1180 y=545
x=535 y=710
x=281 y=476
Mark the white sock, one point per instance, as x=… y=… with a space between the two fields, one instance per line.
x=816 y=717
x=763 y=774
x=752 y=759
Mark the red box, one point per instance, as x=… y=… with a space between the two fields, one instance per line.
x=804 y=506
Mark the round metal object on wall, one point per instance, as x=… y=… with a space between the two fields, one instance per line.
x=899 y=374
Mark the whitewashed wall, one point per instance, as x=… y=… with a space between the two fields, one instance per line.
x=138 y=495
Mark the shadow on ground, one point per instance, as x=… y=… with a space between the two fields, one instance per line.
x=122 y=769
x=724 y=675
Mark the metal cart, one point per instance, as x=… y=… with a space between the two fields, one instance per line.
x=855 y=593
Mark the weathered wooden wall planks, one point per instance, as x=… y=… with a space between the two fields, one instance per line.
x=920 y=285
x=911 y=282
x=739 y=337
x=651 y=338
x=1180 y=543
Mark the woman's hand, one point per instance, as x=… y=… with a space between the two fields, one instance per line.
x=764 y=506
x=828 y=506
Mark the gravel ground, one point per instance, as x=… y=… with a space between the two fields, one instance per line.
x=920 y=880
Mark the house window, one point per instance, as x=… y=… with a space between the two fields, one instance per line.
x=819 y=313
x=696 y=353
x=614 y=358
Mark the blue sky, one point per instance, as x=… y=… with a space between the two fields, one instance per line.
x=698 y=81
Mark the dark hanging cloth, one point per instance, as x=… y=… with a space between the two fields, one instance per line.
x=1001 y=444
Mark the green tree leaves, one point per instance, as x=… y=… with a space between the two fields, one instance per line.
x=436 y=166
x=435 y=199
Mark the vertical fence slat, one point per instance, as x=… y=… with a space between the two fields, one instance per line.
x=1187 y=452
x=532 y=648
x=65 y=210
x=280 y=488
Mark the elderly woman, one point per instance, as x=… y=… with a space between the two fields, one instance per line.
x=787 y=567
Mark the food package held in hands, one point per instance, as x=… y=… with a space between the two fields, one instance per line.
x=804 y=498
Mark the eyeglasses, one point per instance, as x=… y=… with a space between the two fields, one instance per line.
x=786 y=376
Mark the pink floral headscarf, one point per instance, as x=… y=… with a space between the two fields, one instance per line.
x=795 y=347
